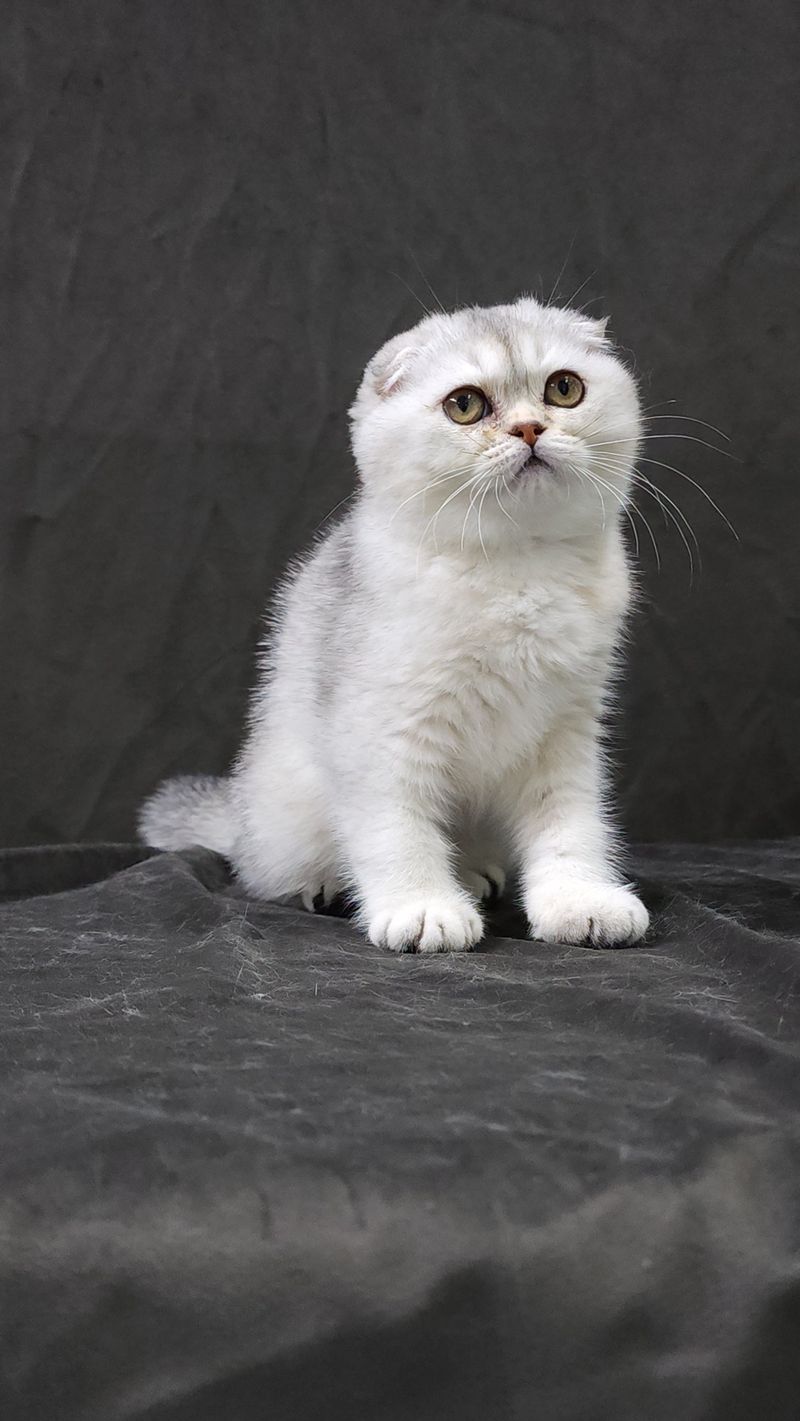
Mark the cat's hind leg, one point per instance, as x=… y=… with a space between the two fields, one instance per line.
x=284 y=844
x=486 y=881
x=481 y=861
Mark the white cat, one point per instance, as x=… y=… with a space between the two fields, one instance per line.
x=427 y=714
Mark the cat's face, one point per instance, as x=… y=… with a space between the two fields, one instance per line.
x=474 y=422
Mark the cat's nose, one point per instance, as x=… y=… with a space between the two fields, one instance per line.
x=529 y=432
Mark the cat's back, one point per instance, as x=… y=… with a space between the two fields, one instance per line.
x=299 y=650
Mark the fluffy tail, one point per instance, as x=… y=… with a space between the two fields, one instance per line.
x=189 y=810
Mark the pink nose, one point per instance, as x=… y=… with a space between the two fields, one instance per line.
x=529 y=432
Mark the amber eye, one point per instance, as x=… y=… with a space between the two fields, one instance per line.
x=466 y=406
x=565 y=388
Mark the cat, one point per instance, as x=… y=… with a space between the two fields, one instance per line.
x=428 y=714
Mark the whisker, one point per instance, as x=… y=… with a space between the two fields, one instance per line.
x=707 y=496
x=658 y=494
x=595 y=485
x=637 y=475
x=578 y=289
x=634 y=530
x=411 y=292
x=691 y=419
x=425 y=279
x=668 y=506
x=480 y=510
x=500 y=503
x=675 y=516
x=470 y=506
x=435 y=483
x=554 y=287
x=678 y=434
x=657 y=405
x=628 y=511
x=338 y=505
x=636 y=472
x=670 y=509
x=634 y=506
x=461 y=489
x=660 y=403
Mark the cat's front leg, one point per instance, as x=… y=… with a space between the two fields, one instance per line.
x=572 y=889
x=410 y=899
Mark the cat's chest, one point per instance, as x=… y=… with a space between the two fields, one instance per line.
x=494 y=664
x=525 y=635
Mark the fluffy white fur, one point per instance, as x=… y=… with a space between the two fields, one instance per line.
x=428 y=712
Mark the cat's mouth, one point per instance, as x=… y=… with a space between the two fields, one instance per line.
x=534 y=467
x=533 y=462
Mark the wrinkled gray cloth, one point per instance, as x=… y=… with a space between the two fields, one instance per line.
x=253 y=1167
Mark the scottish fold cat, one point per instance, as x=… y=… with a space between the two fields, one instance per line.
x=428 y=711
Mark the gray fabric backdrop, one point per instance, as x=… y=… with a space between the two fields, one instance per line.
x=209 y=215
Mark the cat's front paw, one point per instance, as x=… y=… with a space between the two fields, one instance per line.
x=426 y=925
x=603 y=915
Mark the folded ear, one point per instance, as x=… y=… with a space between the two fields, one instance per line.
x=592 y=330
x=586 y=328
x=388 y=369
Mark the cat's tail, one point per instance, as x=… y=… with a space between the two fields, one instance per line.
x=189 y=810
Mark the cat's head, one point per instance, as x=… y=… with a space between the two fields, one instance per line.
x=492 y=417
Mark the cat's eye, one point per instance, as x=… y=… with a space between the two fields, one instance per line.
x=466 y=406
x=565 y=389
